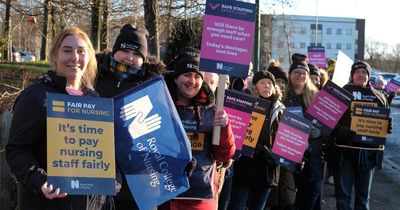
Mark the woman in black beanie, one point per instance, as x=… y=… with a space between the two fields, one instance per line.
x=125 y=67
x=254 y=176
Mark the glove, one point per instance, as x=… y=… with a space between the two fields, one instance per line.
x=263 y=151
x=315 y=132
x=389 y=131
x=191 y=166
x=345 y=136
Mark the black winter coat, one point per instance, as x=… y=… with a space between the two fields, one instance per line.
x=109 y=85
x=26 y=148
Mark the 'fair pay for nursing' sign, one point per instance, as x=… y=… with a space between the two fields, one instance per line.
x=80 y=144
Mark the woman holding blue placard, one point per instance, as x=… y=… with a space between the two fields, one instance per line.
x=74 y=62
x=254 y=176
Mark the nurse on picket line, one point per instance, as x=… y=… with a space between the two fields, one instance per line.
x=300 y=92
x=73 y=59
x=194 y=102
x=254 y=177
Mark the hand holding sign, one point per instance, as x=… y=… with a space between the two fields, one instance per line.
x=139 y=109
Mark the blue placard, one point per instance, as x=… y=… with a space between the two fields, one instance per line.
x=152 y=148
x=80 y=144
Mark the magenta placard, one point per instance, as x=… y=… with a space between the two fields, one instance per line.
x=327 y=109
x=290 y=143
x=239 y=122
x=227 y=39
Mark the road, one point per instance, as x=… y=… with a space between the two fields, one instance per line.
x=391 y=163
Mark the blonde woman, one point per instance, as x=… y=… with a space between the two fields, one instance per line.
x=74 y=72
x=299 y=95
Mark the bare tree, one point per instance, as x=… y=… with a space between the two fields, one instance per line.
x=96 y=23
x=47 y=18
x=151 y=21
x=7 y=26
x=104 y=27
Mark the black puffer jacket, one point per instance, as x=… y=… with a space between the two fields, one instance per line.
x=313 y=168
x=26 y=148
x=363 y=158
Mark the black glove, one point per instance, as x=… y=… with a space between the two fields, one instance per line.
x=263 y=151
x=324 y=153
x=191 y=166
x=389 y=131
x=315 y=132
x=345 y=135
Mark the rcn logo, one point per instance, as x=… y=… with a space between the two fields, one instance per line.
x=220 y=66
x=75 y=184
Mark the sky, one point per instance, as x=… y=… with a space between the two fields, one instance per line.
x=381 y=16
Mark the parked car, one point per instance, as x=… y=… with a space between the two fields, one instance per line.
x=386 y=76
x=26 y=57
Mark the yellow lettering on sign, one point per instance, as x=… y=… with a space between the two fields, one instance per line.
x=196 y=141
x=362 y=103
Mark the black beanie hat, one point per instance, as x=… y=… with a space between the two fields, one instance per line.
x=360 y=65
x=299 y=57
x=278 y=73
x=299 y=64
x=132 y=37
x=314 y=70
x=263 y=75
x=188 y=61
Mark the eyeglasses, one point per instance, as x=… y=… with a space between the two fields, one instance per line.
x=298 y=73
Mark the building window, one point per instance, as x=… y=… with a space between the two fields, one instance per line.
x=280 y=44
x=328 y=46
x=303 y=30
x=349 y=32
x=302 y=45
x=293 y=30
x=339 y=31
x=338 y=46
x=348 y=46
x=292 y=45
x=329 y=31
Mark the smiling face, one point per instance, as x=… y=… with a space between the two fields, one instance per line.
x=360 y=77
x=72 y=58
x=188 y=86
x=128 y=57
x=316 y=80
x=265 y=87
x=298 y=78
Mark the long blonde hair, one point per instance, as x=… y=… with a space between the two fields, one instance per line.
x=310 y=91
x=89 y=76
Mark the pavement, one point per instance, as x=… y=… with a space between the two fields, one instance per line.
x=385 y=191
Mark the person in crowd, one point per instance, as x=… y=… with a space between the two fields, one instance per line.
x=194 y=102
x=300 y=93
x=212 y=80
x=315 y=75
x=74 y=72
x=125 y=67
x=280 y=76
x=254 y=176
x=355 y=165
